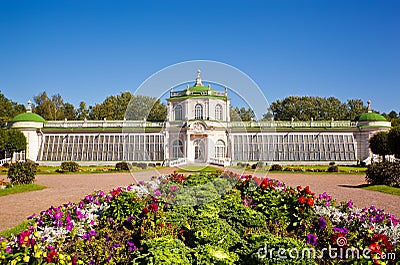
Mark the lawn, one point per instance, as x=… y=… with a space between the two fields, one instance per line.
x=312 y=169
x=21 y=188
x=384 y=189
x=15 y=230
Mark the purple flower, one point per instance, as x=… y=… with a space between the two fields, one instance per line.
x=58 y=215
x=174 y=188
x=311 y=239
x=350 y=204
x=321 y=223
x=92 y=232
x=69 y=226
x=157 y=192
x=59 y=223
x=116 y=245
x=131 y=245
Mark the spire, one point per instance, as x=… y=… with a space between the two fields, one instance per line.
x=369 y=106
x=198 y=79
x=29 y=108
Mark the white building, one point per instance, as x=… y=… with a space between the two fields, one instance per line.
x=198 y=130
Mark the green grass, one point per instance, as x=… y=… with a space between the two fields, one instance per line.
x=15 y=230
x=383 y=189
x=21 y=188
x=198 y=169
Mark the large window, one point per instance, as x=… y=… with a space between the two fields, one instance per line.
x=218 y=112
x=177 y=149
x=220 y=149
x=198 y=112
x=178 y=113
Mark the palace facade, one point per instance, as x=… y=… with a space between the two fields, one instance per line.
x=198 y=129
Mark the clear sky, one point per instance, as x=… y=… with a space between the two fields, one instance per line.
x=88 y=50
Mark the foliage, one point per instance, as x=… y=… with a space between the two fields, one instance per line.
x=142 y=165
x=304 y=108
x=53 y=108
x=12 y=141
x=386 y=173
x=241 y=114
x=22 y=173
x=384 y=189
x=379 y=144
x=333 y=168
x=394 y=140
x=69 y=166
x=8 y=109
x=276 y=167
x=122 y=166
x=130 y=107
x=246 y=224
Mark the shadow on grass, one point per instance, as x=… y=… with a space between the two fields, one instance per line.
x=356 y=186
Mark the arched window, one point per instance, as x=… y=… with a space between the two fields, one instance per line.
x=220 y=149
x=177 y=149
x=178 y=113
x=218 y=112
x=198 y=112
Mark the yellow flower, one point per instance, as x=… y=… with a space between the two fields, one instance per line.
x=26 y=259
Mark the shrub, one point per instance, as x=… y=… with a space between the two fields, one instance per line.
x=70 y=166
x=22 y=172
x=151 y=165
x=122 y=166
x=276 y=167
x=332 y=163
x=134 y=164
x=254 y=166
x=333 y=168
x=386 y=173
x=158 y=164
x=142 y=165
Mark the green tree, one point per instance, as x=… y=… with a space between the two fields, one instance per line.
x=241 y=114
x=82 y=112
x=356 y=107
x=394 y=140
x=379 y=144
x=130 y=107
x=53 y=108
x=15 y=142
x=8 y=109
x=3 y=140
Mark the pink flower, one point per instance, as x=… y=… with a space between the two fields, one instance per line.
x=153 y=207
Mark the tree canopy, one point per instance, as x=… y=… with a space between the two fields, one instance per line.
x=319 y=108
x=379 y=144
x=11 y=141
x=8 y=109
x=241 y=114
x=53 y=108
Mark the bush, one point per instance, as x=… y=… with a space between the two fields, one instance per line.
x=151 y=165
x=333 y=168
x=276 y=167
x=69 y=166
x=22 y=172
x=158 y=164
x=122 y=166
x=386 y=173
x=134 y=164
x=142 y=165
x=332 y=163
x=254 y=166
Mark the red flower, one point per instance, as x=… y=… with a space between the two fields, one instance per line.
x=153 y=207
x=145 y=210
x=307 y=190
x=310 y=202
x=302 y=200
x=299 y=188
x=301 y=210
x=264 y=184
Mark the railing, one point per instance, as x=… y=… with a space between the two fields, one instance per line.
x=5 y=160
x=178 y=162
x=220 y=161
x=233 y=124
x=103 y=124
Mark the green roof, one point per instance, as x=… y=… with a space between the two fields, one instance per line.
x=28 y=116
x=199 y=88
x=370 y=116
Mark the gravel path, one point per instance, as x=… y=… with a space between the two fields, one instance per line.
x=61 y=189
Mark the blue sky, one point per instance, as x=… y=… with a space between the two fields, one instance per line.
x=87 y=50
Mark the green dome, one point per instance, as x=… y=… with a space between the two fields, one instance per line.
x=370 y=116
x=28 y=116
x=199 y=88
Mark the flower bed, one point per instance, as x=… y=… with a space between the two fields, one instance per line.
x=217 y=218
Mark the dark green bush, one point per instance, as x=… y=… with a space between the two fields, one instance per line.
x=254 y=166
x=122 y=166
x=22 y=172
x=276 y=167
x=386 y=173
x=333 y=168
x=142 y=165
x=70 y=166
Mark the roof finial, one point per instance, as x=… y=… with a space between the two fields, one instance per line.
x=198 y=79
x=369 y=106
x=29 y=108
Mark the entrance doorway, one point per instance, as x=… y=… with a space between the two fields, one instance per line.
x=199 y=151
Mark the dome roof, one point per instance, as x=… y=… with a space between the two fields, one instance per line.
x=28 y=116
x=370 y=116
